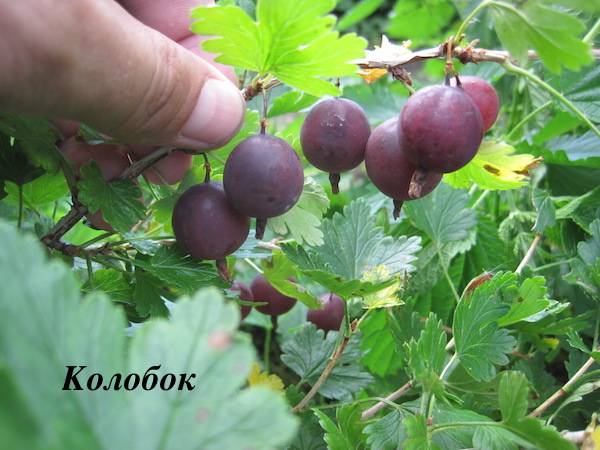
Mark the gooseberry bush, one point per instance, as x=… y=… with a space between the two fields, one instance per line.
x=445 y=294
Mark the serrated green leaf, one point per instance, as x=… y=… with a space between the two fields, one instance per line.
x=353 y=245
x=554 y=34
x=294 y=41
x=443 y=215
x=303 y=220
x=387 y=433
x=347 y=433
x=380 y=101
x=480 y=344
x=495 y=167
x=118 y=200
x=307 y=353
x=582 y=210
x=493 y=438
x=175 y=269
x=279 y=271
x=112 y=283
x=427 y=354
x=46 y=189
x=41 y=334
x=513 y=390
x=146 y=296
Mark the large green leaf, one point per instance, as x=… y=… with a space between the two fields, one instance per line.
x=443 y=215
x=480 y=344
x=512 y=393
x=174 y=268
x=553 y=33
x=45 y=326
x=419 y=20
x=356 y=258
x=386 y=433
x=293 y=41
x=426 y=355
x=307 y=353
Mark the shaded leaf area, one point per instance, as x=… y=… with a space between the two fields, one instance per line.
x=40 y=335
x=355 y=249
x=118 y=201
x=307 y=353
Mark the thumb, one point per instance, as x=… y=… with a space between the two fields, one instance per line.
x=103 y=67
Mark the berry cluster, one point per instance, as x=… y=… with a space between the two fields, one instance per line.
x=438 y=131
x=328 y=317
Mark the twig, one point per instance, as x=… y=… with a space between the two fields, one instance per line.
x=529 y=254
x=368 y=413
x=325 y=374
x=563 y=390
x=78 y=210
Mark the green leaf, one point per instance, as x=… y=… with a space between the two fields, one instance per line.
x=112 y=283
x=303 y=220
x=354 y=250
x=46 y=189
x=426 y=355
x=146 y=295
x=358 y=13
x=175 y=269
x=386 y=433
x=582 y=89
x=380 y=353
x=307 y=353
x=279 y=271
x=347 y=433
x=35 y=136
x=15 y=165
x=480 y=345
x=582 y=210
x=513 y=390
x=495 y=167
x=539 y=436
x=546 y=214
x=290 y=102
x=118 y=200
x=46 y=326
x=493 y=438
x=416 y=431
x=589 y=251
x=420 y=20
x=443 y=215
x=554 y=34
x=530 y=302
x=294 y=42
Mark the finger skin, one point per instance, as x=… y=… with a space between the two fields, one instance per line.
x=101 y=66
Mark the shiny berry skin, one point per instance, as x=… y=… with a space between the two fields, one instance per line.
x=205 y=224
x=442 y=128
x=245 y=294
x=277 y=303
x=263 y=177
x=485 y=98
x=334 y=136
x=387 y=165
x=330 y=315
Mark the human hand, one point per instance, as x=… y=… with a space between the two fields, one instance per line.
x=121 y=72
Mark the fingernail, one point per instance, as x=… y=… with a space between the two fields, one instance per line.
x=216 y=118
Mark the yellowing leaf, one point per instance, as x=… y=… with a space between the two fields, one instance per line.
x=385 y=297
x=495 y=167
x=258 y=378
